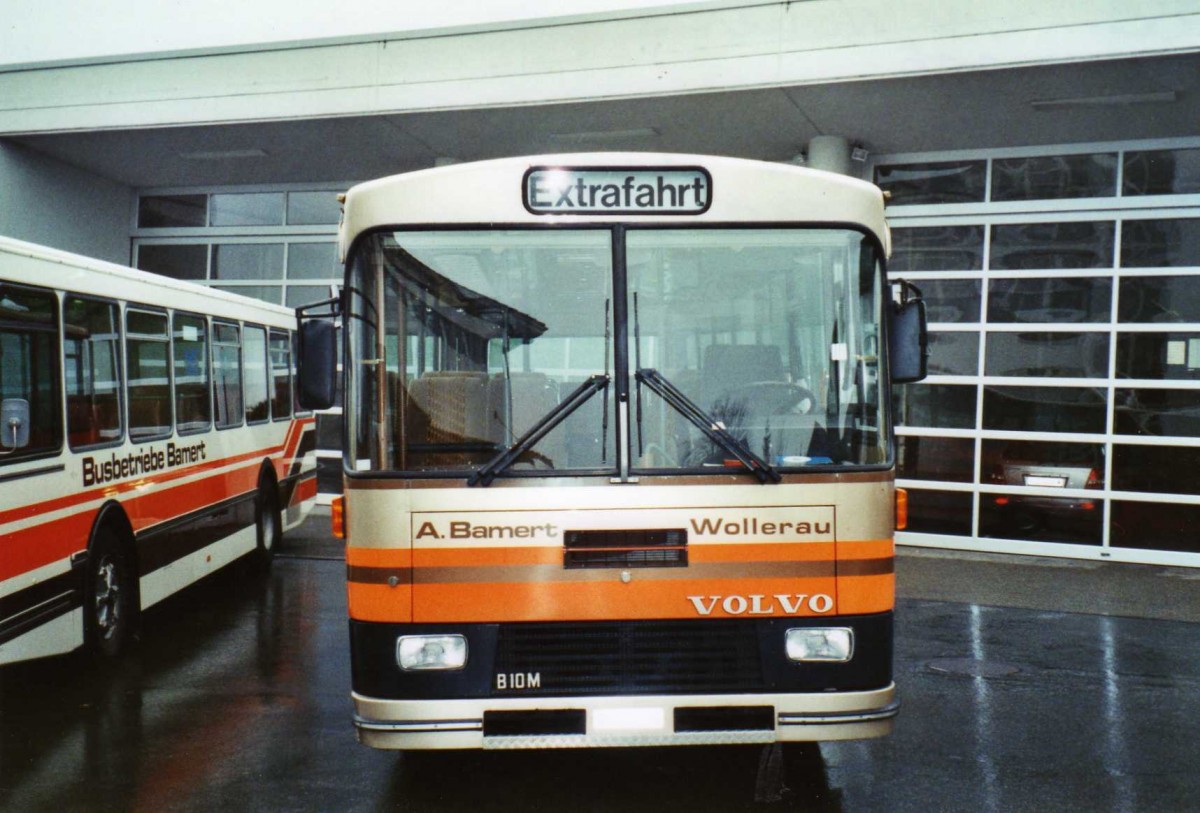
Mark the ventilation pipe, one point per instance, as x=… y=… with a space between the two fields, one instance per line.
x=830 y=153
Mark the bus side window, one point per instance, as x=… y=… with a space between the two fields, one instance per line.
x=91 y=351
x=254 y=354
x=281 y=375
x=193 y=409
x=29 y=348
x=227 y=374
x=148 y=374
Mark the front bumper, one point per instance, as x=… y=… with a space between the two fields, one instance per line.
x=589 y=722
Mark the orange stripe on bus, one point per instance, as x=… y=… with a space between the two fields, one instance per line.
x=530 y=583
x=552 y=554
x=379 y=557
x=544 y=573
x=485 y=557
x=540 y=564
x=602 y=601
x=761 y=552
x=613 y=600
x=866 y=594
x=380 y=602
x=865 y=549
x=866 y=576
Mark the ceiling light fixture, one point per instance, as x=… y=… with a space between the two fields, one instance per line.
x=222 y=155
x=1114 y=100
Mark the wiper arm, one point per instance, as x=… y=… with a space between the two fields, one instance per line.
x=714 y=430
x=487 y=473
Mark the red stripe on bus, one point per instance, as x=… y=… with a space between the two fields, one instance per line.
x=111 y=491
x=44 y=544
x=288 y=448
x=148 y=510
x=306 y=489
x=57 y=539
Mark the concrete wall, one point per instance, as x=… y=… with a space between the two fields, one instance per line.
x=79 y=31
x=48 y=202
x=639 y=49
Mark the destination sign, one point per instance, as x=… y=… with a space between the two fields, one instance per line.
x=614 y=190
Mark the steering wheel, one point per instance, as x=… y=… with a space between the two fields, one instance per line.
x=780 y=398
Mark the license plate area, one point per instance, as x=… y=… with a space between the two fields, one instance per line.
x=1046 y=480
x=534 y=723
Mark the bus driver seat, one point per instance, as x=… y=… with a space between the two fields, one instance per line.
x=746 y=387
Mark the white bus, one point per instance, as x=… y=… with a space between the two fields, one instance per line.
x=619 y=458
x=148 y=437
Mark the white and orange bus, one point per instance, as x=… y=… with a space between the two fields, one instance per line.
x=619 y=460
x=148 y=436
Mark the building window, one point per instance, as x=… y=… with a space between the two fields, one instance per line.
x=1054 y=177
x=1160 y=243
x=1055 y=245
x=1061 y=411
x=253 y=209
x=172 y=211
x=313 y=209
x=938 y=182
x=188 y=262
x=937 y=248
x=1161 y=172
x=277 y=245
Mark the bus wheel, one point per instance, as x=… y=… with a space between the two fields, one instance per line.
x=269 y=524
x=110 y=593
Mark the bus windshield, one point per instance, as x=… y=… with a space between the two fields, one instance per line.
x=462 y=342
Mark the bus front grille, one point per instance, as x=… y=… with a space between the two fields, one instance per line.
x=663 y=547
x=628 y=657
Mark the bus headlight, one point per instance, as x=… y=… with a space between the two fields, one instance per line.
x=420 y=652
x=822 y=644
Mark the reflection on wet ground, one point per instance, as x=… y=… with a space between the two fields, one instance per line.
x=237 y=699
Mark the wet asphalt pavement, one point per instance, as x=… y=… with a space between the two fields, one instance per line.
x=237 y=699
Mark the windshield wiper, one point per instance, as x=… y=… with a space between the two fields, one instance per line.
x=713 y=429
x=488 y=472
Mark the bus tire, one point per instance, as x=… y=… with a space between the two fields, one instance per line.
x=267 y=520
x=110 y=604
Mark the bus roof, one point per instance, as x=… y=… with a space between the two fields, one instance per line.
x=32 y=264
x=495 y=193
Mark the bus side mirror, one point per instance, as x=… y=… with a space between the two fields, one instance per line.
x=909 y=337
x=14 y=423
x=316 y=368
